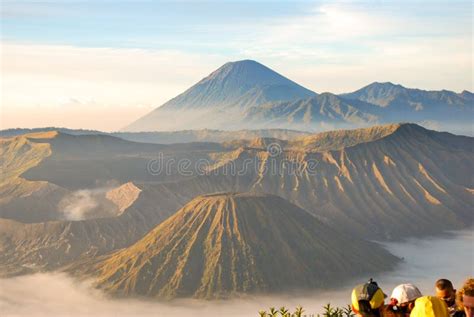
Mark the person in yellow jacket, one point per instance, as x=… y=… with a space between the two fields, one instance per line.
x=429 y=306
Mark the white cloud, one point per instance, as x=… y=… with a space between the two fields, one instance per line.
x=53 y=294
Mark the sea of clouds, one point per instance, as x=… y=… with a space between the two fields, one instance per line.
x=57 y=294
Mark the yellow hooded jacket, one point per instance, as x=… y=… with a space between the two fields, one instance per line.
x=429 y=306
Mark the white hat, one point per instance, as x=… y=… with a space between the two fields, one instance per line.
x=405 y=293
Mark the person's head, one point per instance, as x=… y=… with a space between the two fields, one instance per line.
x=466 y=297
x=429 y=306
x=367 y=299
x=445 y=291
x=404 y=296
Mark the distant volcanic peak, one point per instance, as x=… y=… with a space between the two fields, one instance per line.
x=378 y=90
x=387 y=94
x=386 y=84
x=250 y=72
x=238 y=68
x=246 y=62
x=382 y=88
x=241 y=84
x=243 y=76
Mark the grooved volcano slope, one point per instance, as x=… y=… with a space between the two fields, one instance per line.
x=227 y=244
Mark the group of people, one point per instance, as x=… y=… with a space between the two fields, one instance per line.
x=368 y=300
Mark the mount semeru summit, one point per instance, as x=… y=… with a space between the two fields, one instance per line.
x=236 y=85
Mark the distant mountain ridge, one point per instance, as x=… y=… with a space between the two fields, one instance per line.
x=384 y=182
x=399 y=103
x=169 y=137
x=395 y=179
x=388 y=94
x=323 y=108
x=248 y=95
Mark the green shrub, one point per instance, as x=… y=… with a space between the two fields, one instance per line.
x=329 y=311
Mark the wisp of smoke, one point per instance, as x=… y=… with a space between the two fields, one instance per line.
x=77 y=205
x=87 y=203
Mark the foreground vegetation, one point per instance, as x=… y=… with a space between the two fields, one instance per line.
x=329 y=311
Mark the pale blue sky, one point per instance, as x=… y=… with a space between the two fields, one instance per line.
x=144 y=24
x=205 y=26
x=77 y=54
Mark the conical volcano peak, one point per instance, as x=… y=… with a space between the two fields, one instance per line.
x=246 y=62
x=245 y=83
x=239 y=205
x=225 y=244
x=380 y=90
x=248 y=73
x=233 y=87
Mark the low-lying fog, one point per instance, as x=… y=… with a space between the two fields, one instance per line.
x=58 y=295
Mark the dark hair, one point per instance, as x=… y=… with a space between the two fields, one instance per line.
x=444 y=284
